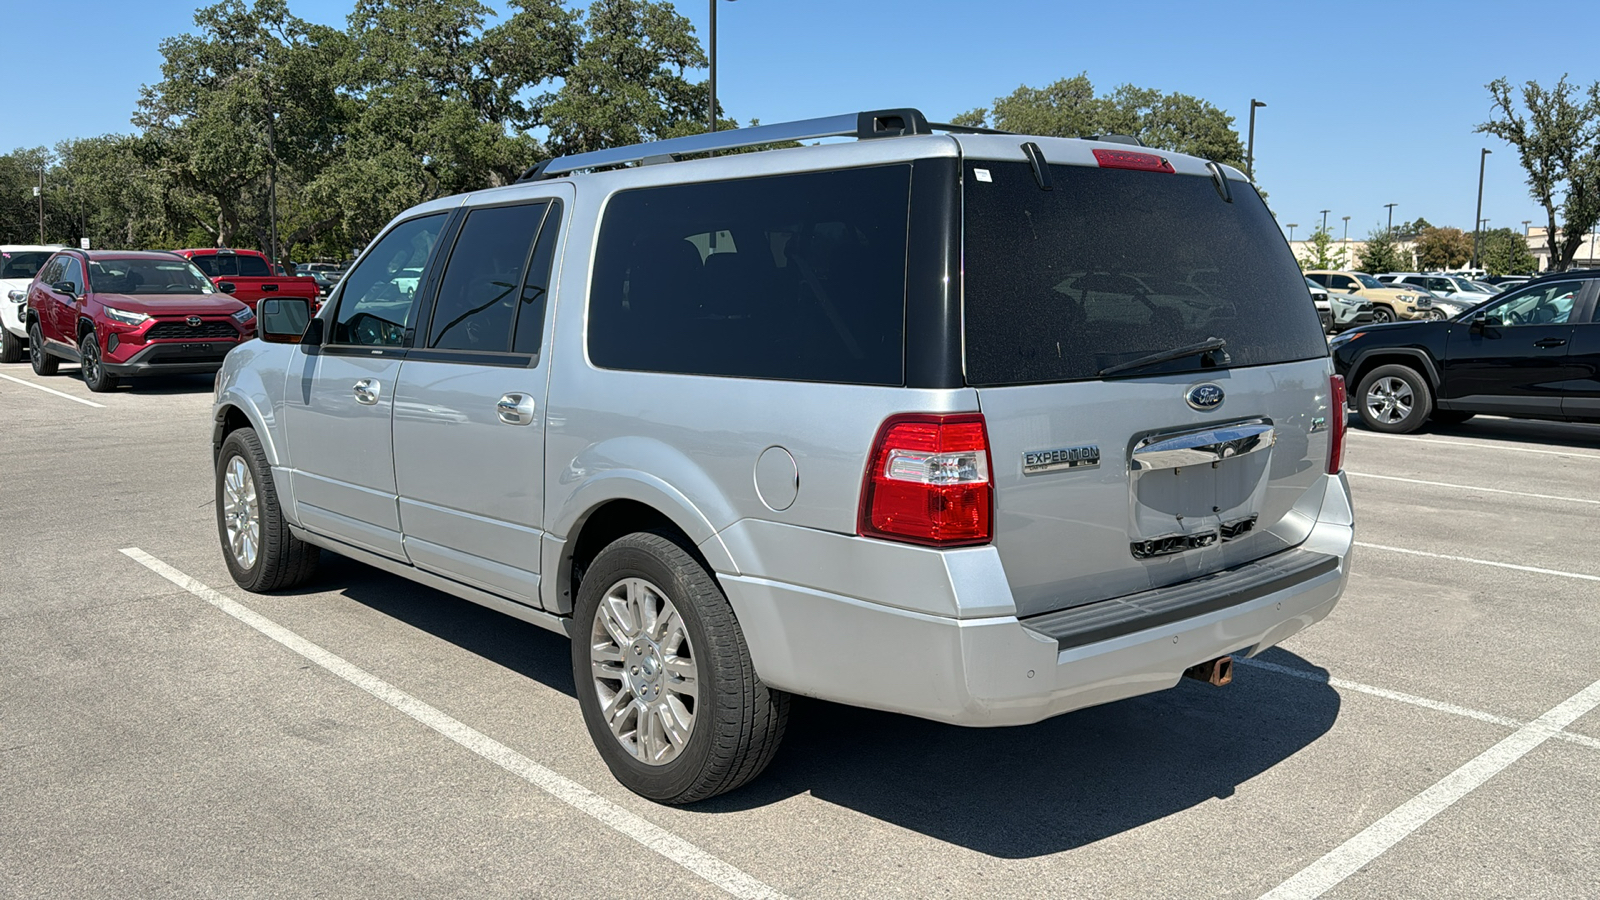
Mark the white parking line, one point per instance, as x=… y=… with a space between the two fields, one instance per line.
x=1480 y=562
x=721 y=874
x=1436 y=705
x=1348 y=858
x=1485 y=445
x=40 y=387
x=1472 y=487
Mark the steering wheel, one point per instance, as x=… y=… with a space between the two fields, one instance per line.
x=1514 y=318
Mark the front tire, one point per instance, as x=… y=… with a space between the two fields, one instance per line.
x=1395 y=399
x=261 y=553
x=42 y=362
x=10 y=347
x=664 y=676
x=95 y=375
x=1382 y=315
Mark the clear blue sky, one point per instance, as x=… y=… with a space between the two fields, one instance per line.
x=1367 y=103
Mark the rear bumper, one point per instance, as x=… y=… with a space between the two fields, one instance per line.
x=996 y=669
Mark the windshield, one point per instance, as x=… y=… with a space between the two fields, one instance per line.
x=23 y=264
x=1113 y=265
x=148 y=276
x=1369 y=282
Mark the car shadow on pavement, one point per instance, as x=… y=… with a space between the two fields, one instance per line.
x=525 y=649
x=1066 y=782
x=1012 y=793
x=1523 y=431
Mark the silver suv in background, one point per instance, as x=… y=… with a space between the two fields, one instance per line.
x=977 y=427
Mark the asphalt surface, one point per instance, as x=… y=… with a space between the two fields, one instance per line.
x=153 y=743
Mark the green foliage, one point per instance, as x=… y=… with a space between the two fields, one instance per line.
x=1558 y=144
x=1070 y=108
x=1408 y=231
x=1323 y=252
x=1382 y=253
x=1443 y=248
x=1505 y=252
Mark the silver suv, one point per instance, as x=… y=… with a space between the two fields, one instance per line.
x=977 y=427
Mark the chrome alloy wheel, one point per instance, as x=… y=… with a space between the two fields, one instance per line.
x=1390 y=400
x=644 y=671
x=241 y=512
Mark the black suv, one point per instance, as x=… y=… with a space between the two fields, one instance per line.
x=1530 y=353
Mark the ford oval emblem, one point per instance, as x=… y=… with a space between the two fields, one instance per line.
x=1205 y=397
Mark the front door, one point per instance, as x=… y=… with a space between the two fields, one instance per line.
x=340 y=397
x=469 y=408
x=1516 y=362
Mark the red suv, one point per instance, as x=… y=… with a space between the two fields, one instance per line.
x=122 y=312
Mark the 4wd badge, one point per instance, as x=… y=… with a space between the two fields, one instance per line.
x=1085 y=457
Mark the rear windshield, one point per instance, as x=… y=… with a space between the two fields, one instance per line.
x=230 y=265
x=1112 y=265
x=22 y=263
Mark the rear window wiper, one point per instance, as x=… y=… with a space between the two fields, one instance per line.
x=1207 y=347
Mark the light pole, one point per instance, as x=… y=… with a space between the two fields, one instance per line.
x=711 y=114
x=39 y=192
x=1525 y=224
x=1347 y=229
x=1292 y=227
x=1250 y=150
x=1477 y=232
x=1390 y=207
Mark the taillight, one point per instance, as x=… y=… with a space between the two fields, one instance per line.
x=928 y=481
x=1128 y=159
x=1336 y=424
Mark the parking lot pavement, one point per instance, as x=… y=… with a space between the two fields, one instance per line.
x=155 y=743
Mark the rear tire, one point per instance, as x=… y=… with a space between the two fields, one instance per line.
x=1394 y=399
x=261 y=553
x=95 y=375
x=624 y=634
x=10 y=347
x=43 y=363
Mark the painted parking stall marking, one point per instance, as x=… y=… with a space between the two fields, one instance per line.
x=1480 y=562
x=40 y=387
x=1485 y=445
x=1472 y=487
x=723 y=875
x=1349 y=857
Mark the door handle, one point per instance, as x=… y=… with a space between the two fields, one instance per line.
x=515 y=409
x=367 y=391
x=1551 y=342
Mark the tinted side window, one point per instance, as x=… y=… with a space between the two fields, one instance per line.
x=375 y=305
x=795 y=277
x=1341 y=282
x=536 y=286
x=51 y=273
x=1545 y=304
x=479 y=291
x=1319 y=279
x=253 y=267
x=73 y=272
x=207 y=264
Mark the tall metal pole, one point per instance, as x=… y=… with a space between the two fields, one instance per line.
x=1325 y=219
x=1292 y=227
x=1347 y=229
x=41 y=202
x=1477 y=233
x=1250 y=149
x=711 y=114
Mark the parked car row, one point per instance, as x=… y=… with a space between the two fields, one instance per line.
x=122 y=313
x=1338 y=312
x=1389 y=303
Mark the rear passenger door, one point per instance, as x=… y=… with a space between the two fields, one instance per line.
x=1518 y=363
x=469 y=404
x=1582 y=401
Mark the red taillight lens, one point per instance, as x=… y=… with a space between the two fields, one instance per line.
x=1128 y=159
x=1336 y=424
x=928 y=481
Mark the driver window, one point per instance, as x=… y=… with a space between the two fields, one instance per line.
x=1546 y=304
x=74 y=273
x=375 y=307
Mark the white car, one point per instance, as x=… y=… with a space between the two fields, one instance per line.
x=18 y=264
x=1455 y=288
x=1338 y=312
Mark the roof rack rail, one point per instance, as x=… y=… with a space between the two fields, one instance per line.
x=878 y=123
x=1116 y=139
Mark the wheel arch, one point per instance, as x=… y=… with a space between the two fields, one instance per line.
x=1372 y=359
x=85 y=327
x=236 y=412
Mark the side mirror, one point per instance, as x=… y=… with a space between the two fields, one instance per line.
x=227 y=287
x=1356 y=289
x=65 y=287
x=1480 y=322
x=286 y=320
